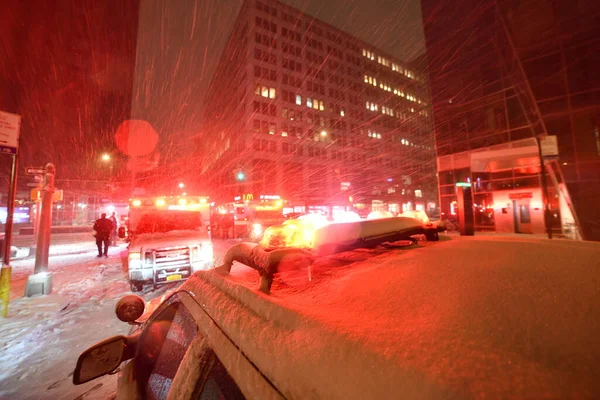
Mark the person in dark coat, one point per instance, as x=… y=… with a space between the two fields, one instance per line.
x=114 y=234
x=103 y=228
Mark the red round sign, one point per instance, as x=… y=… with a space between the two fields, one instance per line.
x=136 y=138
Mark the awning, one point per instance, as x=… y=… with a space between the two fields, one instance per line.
x=496 y=160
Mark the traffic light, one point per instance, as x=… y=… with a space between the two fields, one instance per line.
x=240 y=176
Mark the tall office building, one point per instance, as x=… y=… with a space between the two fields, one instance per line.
x=503 y=73
x=301 y=109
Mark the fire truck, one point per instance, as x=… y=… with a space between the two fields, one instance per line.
x=168 y=239
x=253 y=214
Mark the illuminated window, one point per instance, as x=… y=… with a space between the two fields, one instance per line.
x=418 y=193
x=271 y=128
x=387 y=111
x=309 y=102
x=342 y=113
x=298 y=100
x=370 y=55
x=373 y=134
x=265 y=91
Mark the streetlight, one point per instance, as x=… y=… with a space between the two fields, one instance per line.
x=106 y=159
x=323 y=133
x=181 y=185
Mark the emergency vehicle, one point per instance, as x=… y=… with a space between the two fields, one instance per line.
x=168 y=239
x=253 y=214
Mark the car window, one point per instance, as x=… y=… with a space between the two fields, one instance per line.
x=218 y=385
x=161 y=348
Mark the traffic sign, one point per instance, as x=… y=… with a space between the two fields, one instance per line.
x=35 y=170
x=57 y=195
x=10 y=126
x=549 y=146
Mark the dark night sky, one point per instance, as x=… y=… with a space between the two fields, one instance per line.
x=66 y=67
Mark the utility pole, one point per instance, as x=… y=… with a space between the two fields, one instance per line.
x=37 y=210
x=41 y=281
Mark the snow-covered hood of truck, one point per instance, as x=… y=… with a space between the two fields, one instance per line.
x=167 y=239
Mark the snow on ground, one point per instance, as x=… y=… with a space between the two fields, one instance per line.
x=43 y=336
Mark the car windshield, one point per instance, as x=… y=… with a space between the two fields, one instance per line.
x=161 y=222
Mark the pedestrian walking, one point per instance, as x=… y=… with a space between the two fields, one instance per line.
x=103 y=228
x=115 y=230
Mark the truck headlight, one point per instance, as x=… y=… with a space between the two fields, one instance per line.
x=195 y=253
x=134 y=261
x=257 y=230
x=202 y=252
x=148 y=259
x=206 y=251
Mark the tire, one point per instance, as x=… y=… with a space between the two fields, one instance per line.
x=136 y=286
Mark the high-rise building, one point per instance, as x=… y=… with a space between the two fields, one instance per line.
x=304 y=110
x=505 y=74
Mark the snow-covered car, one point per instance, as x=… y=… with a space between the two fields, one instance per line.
x=441 y=320
x=168 y=240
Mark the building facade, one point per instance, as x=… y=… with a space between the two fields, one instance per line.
x=301 y=109
x=504 y=73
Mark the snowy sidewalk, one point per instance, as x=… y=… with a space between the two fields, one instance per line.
x=43 y=336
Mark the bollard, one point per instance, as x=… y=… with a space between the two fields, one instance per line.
x=5 y=275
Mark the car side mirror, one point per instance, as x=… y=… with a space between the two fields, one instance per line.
x=129 y=308
x=101 y=359
x=121 y=232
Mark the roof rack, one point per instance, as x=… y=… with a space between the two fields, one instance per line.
x=330 y=239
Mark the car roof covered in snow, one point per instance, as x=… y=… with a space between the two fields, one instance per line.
x=467 y=317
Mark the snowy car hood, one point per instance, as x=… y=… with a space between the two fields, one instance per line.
x=167 y=239
x=438 y=320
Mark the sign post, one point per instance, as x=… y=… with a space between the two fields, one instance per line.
x=10 y=127
x=38 y=177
